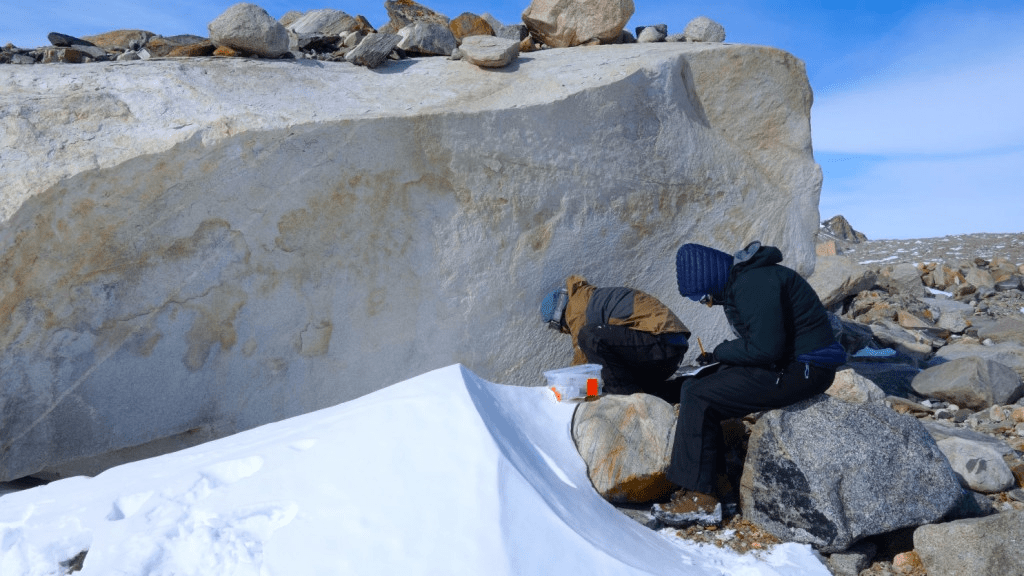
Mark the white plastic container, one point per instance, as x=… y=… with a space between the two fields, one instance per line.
x=575 y=381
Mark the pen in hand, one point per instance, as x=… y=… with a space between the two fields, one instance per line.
x=704 y=358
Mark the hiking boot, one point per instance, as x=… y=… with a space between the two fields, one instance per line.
x=727 y=495
x=688 y=507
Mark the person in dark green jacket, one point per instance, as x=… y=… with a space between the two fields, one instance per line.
x=784 y=352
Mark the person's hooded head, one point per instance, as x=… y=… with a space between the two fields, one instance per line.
x=701 y=271
x=552 y=308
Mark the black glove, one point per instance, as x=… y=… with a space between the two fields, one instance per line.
x=705 y=358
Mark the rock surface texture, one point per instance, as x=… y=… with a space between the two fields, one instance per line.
x=567 y=23
x=249 y=28
x=990 y=545
x=193 y=248
x=829 y=473
x=626 y=442
x=971 y=382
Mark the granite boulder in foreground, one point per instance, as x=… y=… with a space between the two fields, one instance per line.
x=196 y=247
x=829 y=473
x=626 y=442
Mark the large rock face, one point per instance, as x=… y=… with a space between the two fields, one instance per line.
x=194 y=248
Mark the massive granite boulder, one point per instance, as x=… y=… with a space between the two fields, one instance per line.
x=193 y=248
x=248 y=28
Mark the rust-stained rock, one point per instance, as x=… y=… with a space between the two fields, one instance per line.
x=626 y=442
x=227 y=51
x=404 y=12
x=121 y=39
x=469 y=24
x=849 y=386
x=194 y=50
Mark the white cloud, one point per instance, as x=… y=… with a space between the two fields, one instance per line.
x=950 y=82
x=929 y=116
x=965 y=108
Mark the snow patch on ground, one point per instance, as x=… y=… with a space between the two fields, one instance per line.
x=441 y=474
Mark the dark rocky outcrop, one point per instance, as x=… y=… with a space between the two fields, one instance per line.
x=838 y=228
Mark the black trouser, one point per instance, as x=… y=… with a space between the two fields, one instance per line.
x=731 y=392
x=632 y=361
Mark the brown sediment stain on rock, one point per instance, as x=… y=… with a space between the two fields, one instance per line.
x=539 y=238
x=147 y=343
x=641 y=489
x=376 y=300
x=43 y=264
x=367 y=220
x=315 y=340
x=325 y=222
x=213 y=324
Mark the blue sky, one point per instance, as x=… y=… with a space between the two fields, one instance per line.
x=918 y=120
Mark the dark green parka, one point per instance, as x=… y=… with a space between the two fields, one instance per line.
x=774 y=312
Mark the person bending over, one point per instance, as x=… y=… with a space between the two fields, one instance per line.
x=636 y=339
x=784 y=352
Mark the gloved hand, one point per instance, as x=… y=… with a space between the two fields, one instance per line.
x=705 y=358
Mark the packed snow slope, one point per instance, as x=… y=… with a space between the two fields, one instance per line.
x=444 y=473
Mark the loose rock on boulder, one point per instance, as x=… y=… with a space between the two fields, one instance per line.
x=489 y=51
x=563 y=24
x=704 y=29
x=248 y=28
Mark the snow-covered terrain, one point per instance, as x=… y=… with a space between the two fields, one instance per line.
x=443 y=474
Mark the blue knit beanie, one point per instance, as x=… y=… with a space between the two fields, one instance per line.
x=701 y=270
x=553 y=305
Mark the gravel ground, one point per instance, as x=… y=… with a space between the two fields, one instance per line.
x=946 y=249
